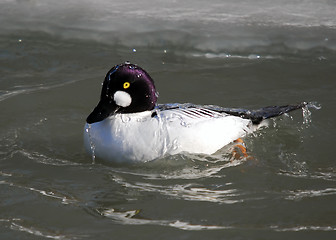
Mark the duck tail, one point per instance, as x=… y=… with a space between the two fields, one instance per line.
x=261 y=114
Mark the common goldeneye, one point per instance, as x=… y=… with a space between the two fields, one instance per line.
x=128 y=125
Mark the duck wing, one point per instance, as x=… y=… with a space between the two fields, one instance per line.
x=208 y=111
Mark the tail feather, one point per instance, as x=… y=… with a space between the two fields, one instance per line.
x=264 y=113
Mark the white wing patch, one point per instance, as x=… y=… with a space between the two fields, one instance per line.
x=196 y=113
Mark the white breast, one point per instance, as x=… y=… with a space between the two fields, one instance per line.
x=141 y=137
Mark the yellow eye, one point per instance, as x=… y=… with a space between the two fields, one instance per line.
x=126 y=85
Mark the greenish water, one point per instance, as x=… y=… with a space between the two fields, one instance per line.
x=53 y=60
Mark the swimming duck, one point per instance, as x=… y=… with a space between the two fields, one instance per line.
x=128 y=125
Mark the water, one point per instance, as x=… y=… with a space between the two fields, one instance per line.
x=54 y=56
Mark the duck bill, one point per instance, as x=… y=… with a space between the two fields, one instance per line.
x=101 y=112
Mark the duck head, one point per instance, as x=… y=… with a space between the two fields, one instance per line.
x=127 y=88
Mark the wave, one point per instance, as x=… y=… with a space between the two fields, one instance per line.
x=211 y=26
x=111 y=15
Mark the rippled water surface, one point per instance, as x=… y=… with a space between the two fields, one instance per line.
x=53 y=59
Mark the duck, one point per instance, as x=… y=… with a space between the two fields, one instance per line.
x=128 y=125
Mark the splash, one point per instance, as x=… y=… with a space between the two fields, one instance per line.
x=306 y=116
x=306 y=113
x=92 y=146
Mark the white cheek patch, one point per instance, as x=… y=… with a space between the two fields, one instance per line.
x=122 y=99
